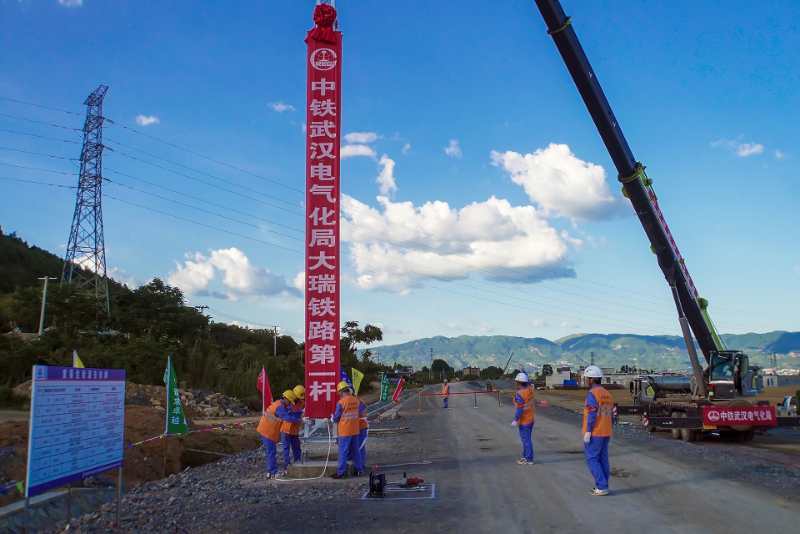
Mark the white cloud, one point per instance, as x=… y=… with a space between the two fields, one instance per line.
x=453 y=149
x=352 y=151
x=123 y=277
x=70 y=3
x=361 y=138
x=559 y=182
x=299 y=281
x=239 y=277
x=400 y=244
x=386 y=181
x=780 y=154
x=406 y=148
x=280 y=107
x=743 y=150
x=147 y=120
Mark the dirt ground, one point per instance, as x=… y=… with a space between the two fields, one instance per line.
x=142 y=463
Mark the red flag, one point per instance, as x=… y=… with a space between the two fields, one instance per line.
x=398 y=390
x=263 y=387
x=323 y=254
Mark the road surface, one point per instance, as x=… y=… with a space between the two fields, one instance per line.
x=480 y=488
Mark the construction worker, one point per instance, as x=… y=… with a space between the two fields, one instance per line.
x=270 y=428
x=348 y=411
x=524 y=416
x=445 y=393
x=290 y=431
x=597 y=417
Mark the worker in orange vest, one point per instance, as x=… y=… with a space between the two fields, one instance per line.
x=290 y=431
x=346 y=416
x=445 y=393
x=270 y=427
x=597 y=418
x=524 y=416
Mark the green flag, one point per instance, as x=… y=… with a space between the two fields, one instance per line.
x=384 y=387
x=175 y=420
x=21 y=487
x=358 y=376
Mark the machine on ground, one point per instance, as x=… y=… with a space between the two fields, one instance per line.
x=712 y=398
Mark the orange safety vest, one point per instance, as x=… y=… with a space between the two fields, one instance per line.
x=445 y=389
x=605 y=409
x=348 y=423
x=528 y=408
x=270 y=424
x=293 y=429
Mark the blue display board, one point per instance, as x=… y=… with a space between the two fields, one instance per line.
x=77 y=425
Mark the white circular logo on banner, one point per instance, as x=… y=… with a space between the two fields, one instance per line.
x=713 y=416
x=323 y=58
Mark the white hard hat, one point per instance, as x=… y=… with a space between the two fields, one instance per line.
x=593 y=372
x=521 y=377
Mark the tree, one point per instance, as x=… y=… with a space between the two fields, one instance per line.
x=441 y=368
x=491 y=373
x=547 y=370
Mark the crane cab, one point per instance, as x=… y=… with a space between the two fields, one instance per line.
x=730 y=375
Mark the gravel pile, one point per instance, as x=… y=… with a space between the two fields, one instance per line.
x=211 y=498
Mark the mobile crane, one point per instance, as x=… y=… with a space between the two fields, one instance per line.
x=714 y=400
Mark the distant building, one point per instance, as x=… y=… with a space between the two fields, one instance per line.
x=559 y=376
x=471 y=371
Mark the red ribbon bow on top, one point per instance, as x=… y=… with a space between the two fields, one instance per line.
x=324 y=18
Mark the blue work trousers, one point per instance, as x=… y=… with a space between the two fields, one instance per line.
x=362 y=448
x=526 y=437
x=271 y=451
x=290 y=442
x=597 y=460
x=348 y=450
x=444 y=402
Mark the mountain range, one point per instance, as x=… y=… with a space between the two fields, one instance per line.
x=609 y=350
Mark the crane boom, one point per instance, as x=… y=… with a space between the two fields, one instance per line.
x=636 y=186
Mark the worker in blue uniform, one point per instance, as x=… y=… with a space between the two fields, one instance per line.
x=524 y=416
x=598 y=412
x=349 y=410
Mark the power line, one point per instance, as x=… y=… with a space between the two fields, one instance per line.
x=38 y=169
x=192 y=221
x=53 y=156
x=209 y=158
x=17 y=132
x=199 y=199
x=206 y=182
x=156 y=195
x=46 y=123
x=240 y=319
x=38 y=182
x=136 y=158
x=16 y=101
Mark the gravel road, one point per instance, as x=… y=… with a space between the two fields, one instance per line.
x=658 y=485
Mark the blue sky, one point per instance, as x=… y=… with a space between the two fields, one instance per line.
x=705 y=92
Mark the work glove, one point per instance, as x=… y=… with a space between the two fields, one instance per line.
x=514 y=423
x=587 y=436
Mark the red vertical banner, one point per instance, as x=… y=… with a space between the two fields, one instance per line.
x=323 y=134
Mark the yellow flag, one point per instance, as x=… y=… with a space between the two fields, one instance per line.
x=76 y=361
x=358 y=376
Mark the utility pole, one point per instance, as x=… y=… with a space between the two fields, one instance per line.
x=430 y=373
x=275 y=340
x=44 y=302
x=85 y=259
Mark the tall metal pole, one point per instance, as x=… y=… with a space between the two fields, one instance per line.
x=85 y=259
x=275 y=340
x=44 y=302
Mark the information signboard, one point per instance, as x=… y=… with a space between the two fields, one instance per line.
x=77 y=425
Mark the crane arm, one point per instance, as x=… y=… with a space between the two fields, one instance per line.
x=636 y=186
